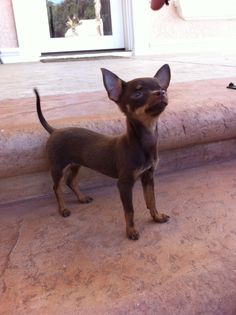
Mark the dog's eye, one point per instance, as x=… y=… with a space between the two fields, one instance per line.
x=138 y=94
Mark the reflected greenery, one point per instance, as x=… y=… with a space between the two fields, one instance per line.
x=59 y=12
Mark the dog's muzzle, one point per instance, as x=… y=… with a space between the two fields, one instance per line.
x=157 y=109
x=157 y=102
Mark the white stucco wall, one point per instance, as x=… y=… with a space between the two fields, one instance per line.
x=209 y=33
x=165 y=31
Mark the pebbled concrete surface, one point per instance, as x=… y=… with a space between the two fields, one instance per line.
x=18 y=80
x=84 y=264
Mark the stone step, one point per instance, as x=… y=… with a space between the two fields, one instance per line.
x=197 y=127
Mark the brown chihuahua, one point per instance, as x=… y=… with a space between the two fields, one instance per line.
x=126 y=157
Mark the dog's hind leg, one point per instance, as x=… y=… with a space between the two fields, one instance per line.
x=72 y=183
x=57 y=176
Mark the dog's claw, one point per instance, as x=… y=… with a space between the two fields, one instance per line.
x=161 y=218
x=133 y=234
x=86 y=199
x=66 y=213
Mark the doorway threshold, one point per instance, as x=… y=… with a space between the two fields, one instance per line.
x=83 y=56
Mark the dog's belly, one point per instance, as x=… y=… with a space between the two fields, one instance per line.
x=83 y=147
x=106 y=167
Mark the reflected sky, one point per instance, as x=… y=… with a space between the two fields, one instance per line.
x=56 y=1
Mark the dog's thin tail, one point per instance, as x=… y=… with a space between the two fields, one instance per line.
x=40 y=114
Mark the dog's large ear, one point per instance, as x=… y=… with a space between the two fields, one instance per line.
x=163 y=76
x=113 y=84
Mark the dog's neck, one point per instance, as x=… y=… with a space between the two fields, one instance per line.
x=144 y=136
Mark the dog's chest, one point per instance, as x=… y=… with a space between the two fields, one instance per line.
x=149 y=159
x=150 y=165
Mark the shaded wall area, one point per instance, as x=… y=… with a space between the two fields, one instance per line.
x=8 y=35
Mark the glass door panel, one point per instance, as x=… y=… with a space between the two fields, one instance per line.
x=79 y=25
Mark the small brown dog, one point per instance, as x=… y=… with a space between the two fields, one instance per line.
x=126 y=157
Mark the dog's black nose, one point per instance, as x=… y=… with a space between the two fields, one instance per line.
x=159 y=92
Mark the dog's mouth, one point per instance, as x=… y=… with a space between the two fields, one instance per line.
x=156 y=109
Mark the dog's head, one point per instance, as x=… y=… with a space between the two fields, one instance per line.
x=142 y=98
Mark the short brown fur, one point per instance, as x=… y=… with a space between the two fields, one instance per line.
x=126 y=157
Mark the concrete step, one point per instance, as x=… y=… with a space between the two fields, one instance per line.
x=197 y=127
x=84 y=264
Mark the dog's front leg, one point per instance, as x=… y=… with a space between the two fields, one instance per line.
x=125 y=188
x=149 y=196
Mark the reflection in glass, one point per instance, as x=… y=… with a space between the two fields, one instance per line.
x=72 y=18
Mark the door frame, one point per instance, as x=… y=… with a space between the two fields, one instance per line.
x=93 y=43
x=30 y=38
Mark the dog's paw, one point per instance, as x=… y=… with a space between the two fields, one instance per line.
x=85 y=199
x=132 y=234
x=65 y=213
x=161 y=217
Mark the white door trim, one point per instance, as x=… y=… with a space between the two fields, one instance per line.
x=84 y=43
x=30 y=38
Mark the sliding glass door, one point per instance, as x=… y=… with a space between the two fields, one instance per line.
x=84 y=25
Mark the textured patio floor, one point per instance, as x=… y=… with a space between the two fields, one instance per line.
x=85 y=265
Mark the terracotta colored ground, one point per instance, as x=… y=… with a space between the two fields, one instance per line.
x=85 y=265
